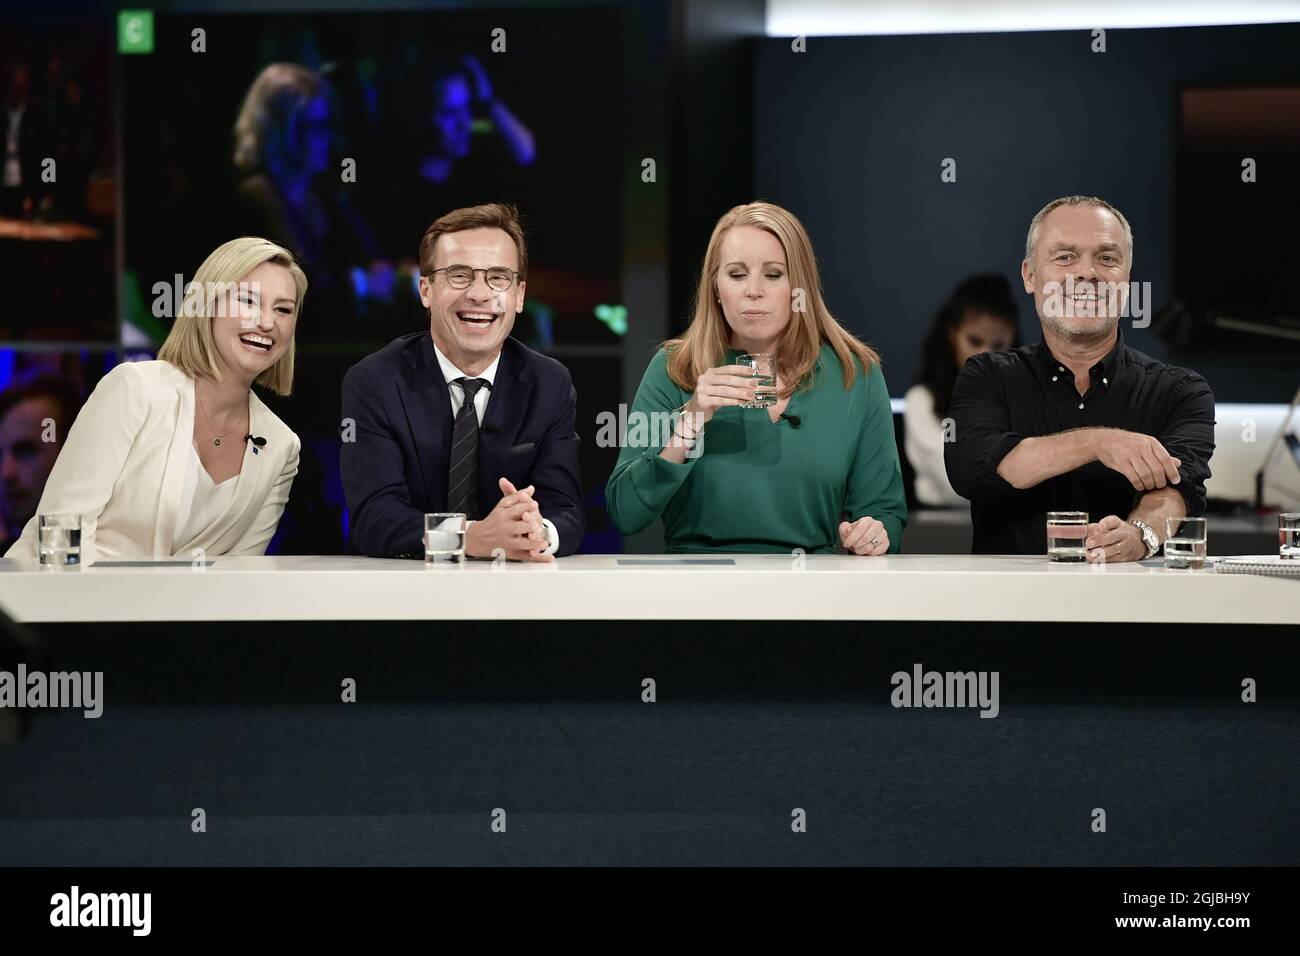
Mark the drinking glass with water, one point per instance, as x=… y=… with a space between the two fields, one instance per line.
x=1288 y=536
x=764 y=369
x=58 y=540
x=1067 y=536
x=1185 y=543
x=444 y=537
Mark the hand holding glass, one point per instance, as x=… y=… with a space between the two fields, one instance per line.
x=763 y=366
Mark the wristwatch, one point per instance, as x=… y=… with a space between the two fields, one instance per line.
x=1148 y=537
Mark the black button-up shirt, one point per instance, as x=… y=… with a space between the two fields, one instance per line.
x=1003 y=397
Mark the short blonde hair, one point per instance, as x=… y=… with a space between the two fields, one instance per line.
x=189 y=344
x=704 y=344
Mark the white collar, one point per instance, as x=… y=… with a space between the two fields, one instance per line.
x=450 y=372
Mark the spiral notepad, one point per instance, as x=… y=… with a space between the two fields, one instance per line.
x=1269 y=564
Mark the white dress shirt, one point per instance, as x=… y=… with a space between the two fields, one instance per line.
x=457 y=393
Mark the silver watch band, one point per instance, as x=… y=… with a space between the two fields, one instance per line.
x=1149 y=537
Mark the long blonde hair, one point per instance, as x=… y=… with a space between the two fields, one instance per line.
x=704 y=344
x=189 y=344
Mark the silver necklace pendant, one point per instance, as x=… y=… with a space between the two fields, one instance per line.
x=217 y=442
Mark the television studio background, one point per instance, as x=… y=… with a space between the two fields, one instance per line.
x=848 y=133
x=622 y=131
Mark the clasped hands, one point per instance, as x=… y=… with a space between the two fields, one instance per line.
x=514 y=527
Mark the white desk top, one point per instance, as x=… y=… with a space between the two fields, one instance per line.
x=909 y=587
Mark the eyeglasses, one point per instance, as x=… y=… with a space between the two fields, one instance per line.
x=498 y=278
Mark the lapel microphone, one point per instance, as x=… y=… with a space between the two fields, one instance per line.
x=258 y=443
x=794 y=420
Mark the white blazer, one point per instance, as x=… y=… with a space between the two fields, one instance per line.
x=123 y=466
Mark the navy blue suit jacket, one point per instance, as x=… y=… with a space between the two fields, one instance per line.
x=396 y=469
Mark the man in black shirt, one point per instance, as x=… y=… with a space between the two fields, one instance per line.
x=1080 y=421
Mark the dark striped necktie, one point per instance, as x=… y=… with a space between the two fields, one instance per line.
x=462 y=477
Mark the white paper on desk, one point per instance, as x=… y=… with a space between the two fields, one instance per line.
x=671 y=562
x=1270 y=564
x=166 y=563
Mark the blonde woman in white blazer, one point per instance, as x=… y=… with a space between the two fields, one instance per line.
x=179 y=454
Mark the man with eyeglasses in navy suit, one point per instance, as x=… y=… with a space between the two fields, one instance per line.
x=462 y=417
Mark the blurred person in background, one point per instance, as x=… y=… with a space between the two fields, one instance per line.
x=450 y=134
x=34 y=417
x=24 y=145
x=292 y=192
x=456 y=91
x=72 y=142
x=979 y=316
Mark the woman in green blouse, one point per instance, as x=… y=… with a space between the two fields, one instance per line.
x=817 y=471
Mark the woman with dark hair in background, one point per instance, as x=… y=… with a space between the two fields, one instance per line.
x=450 y=137
x=979 y=316
x=455 y=89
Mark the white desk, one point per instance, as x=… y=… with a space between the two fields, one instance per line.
x=224 y=689
x=910 y=587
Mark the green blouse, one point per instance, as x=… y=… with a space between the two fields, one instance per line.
x=755 y=486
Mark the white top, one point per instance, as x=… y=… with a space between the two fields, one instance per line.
x=203 y=501
x=457 y=391
x=923 y=442
x=598 y=587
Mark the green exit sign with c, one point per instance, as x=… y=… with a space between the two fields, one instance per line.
x=135 y=31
